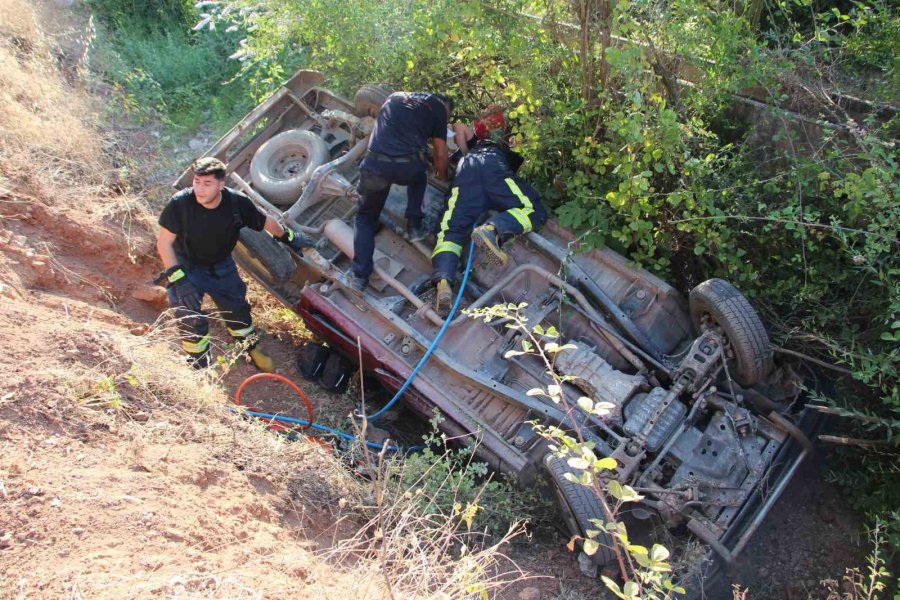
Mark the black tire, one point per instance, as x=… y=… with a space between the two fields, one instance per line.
x=577 y=506
x=336 y=374
x=311 y=360
x=267 y=259
x=369 y=98
x=717 y=303
x=283 y=165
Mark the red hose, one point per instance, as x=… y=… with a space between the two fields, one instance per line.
x=282 y=379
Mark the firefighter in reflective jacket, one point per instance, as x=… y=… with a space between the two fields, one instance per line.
x=199 y=228
x=485 y=180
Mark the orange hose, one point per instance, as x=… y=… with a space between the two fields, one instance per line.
x=286 y=381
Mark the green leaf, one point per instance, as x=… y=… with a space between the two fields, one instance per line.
x=605 y=464
x=577 y=462
x=601 y=409
x=615 y=489
x=590 y=547
x=631 y=589
x=511 y=353
x=586 y=404
x=659 y=552
x=611 y=585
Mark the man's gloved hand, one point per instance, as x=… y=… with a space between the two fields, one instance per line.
x=296 y=240
x=180 y=290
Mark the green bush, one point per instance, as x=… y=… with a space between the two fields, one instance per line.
x=144 y=17
x=164 y=69
x=449 y=481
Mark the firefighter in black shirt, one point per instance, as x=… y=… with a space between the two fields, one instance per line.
x=198 y=230
x=397 y=155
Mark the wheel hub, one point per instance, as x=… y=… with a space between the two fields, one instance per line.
x=290 y=165
x=707 y=322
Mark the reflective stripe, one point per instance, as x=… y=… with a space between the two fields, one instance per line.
x=175 y=276
x=520 y=214
x=241 y=332
x=446 y=247
x=196 y=347
x=445 y=222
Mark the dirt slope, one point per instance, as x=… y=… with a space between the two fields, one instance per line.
x=120 y=474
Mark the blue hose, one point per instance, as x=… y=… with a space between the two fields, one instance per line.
x=340 y=434
x=434 y=343
x=402 y=389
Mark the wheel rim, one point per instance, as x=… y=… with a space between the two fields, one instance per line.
x=289 y=164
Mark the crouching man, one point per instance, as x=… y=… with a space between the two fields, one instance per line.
x=485 y=180
x=198 y=230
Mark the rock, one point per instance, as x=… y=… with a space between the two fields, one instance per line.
x=195 y=144
x=152 y=294
x=377 y=435
x=530 y=593
x=826 y=513
x=32 y=491
x=586 y=565
x=5 y=541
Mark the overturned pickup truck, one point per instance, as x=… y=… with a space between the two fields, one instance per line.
x=702 y=425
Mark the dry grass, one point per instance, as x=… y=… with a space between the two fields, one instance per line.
x=411 y=548
x=388 y=541
x=42 y=120
x=51 y=147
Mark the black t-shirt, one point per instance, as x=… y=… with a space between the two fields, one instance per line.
x=406 y=122
x=206 y=236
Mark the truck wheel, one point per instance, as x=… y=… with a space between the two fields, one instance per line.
x=259 y=253
x=369 y=98
x=311 y=360
x=716 y=304
x=577 y=506
x=283 y=165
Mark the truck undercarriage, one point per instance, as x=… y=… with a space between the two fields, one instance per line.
x=700 y=421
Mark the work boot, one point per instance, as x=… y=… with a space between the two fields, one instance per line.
x=357 y=284
x=415 y=229
x=443 y=299
x=262 y=361
x=199 y=361
x=486 y=237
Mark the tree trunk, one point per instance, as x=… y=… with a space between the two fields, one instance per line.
x=594 y=20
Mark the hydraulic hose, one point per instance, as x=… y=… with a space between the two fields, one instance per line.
x=304 y=424
x=284 y=380
x=434 y=343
